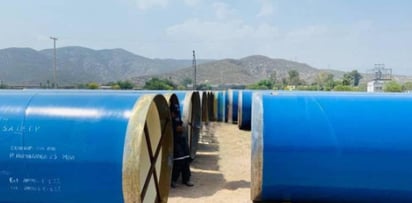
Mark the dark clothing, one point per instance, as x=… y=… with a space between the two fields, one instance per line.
x=181 y=166
x=181 y=152
x=181 y=147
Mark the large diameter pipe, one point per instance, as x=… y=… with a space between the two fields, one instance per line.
x=226 y=96
x=211 y=106
x=84 y=147
x=244 y=109
x=331 y=148
x=244 y=117
x=191 y=117
x=189 y=102
x=205 y=108
x=221 y=106
x=232 y=105
x=216 y=105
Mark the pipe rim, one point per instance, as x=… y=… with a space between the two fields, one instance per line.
x=148 y=107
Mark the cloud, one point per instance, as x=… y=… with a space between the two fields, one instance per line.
x=222 y=38
x=223 y=11
x=267 y=9
x=147 y=4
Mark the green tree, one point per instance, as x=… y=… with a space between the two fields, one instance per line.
x=115 y=86
x=325 y=81
x=407 y=86
x=262 y=85
x=356 y=77
x=347 y=79
x=93 y=85
x=352 y=78
x=125 y=85
x=186 y=81
x=159 y=84
x=294 y=78
x=392 y=86
x=203 y=86
x=343 y=88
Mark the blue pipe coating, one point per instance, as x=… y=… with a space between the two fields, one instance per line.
x=221 y=107
x=84 y=147
x=245 y=109
x=226 y=95
x=232 y=105
x=338 y=147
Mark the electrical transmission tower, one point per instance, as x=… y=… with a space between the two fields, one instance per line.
x=381 y=73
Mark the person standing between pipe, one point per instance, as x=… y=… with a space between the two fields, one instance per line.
x=181 y=161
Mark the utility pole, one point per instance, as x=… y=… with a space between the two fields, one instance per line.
x=194 y=67
x=55 y=63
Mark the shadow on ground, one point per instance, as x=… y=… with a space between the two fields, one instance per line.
x=205 y=169
x=234 y=185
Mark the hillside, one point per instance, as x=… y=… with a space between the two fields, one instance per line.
x=243 y=71
x=26 y=66
x=23 y=66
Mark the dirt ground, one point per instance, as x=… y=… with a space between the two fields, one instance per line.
x=221 y=170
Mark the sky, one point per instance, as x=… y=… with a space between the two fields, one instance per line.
x=343 y=35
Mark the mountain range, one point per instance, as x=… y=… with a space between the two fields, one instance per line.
x=26 y=66
x=243 y=71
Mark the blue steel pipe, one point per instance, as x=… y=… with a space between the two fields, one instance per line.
x=84 y=147
x=332 y=148
x=226 y=95
x=189 y=107
x=191 y=116
x=189 y=102
x=221 y=105
x=244 y=118
x=232 y=105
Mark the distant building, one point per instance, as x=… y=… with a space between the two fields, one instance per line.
x=375 y=86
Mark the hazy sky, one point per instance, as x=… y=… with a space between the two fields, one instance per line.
x=345 y=34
